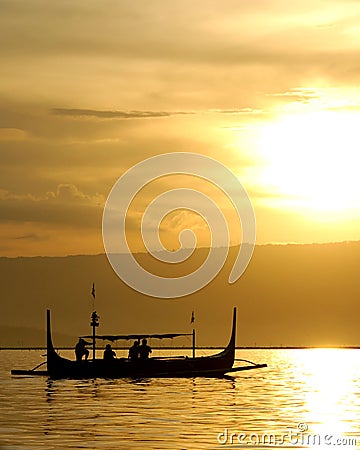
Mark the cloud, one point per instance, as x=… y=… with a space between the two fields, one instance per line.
x=145 y=61
x=322 y=98
x=30 y=237
x=66 y=206
x=345 y=108
x=182 y=219
x=141 y=52
x=298 y=94
x=73 y=112
x=240 y=111
x=79 y=76
x=12 y=134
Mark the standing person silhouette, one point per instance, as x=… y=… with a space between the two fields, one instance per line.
x=144 y=350
x=134 y=351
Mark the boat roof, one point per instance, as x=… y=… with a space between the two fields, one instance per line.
x=115 y=337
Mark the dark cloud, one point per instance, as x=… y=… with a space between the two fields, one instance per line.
x=73 y=112
x=239 y=111
x=30 y=237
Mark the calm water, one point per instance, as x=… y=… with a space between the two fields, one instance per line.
x=305 y=398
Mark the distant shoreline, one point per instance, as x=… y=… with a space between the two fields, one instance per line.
x=265 y=244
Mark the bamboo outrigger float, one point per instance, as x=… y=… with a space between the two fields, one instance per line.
x=216 y=365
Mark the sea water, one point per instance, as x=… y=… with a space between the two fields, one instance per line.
x=304 y=398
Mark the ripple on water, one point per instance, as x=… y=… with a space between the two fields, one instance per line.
x=298 y=386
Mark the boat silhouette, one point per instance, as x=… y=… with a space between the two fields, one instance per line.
x=216 y=365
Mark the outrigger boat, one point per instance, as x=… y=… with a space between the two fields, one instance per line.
x=177 y=366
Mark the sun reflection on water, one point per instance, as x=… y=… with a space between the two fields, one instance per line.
x=331 y=395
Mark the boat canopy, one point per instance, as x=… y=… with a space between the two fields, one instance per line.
x=115 y=337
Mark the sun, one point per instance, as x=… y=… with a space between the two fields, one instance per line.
x=312 y=160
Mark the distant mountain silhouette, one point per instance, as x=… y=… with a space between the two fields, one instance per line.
x=289 y=295
x=12 y=336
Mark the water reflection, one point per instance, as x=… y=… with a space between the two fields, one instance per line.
x=320 y=388
x=139 y=410
x=330 y=386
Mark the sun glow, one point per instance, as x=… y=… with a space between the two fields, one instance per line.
x=311 y=161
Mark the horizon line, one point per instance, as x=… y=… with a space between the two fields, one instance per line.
x=211 y=347
x=269 y=244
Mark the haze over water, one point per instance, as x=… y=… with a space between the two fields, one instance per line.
x=304 y=396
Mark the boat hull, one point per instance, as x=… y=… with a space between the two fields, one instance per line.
x=123 y=368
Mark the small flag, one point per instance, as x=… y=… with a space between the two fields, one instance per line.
x=93 y=290
x=192 y=317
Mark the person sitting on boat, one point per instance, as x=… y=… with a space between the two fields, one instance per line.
x=144 y=350
x=109 y=353
x=134 y=351
x=81 y=350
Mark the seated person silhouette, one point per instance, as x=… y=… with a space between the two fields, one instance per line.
x=144 y=350
x=134 y=351
x=80 y=349
x=109 y=353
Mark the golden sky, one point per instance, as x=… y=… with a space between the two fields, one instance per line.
x=87 y=89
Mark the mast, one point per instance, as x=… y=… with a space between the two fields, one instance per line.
x=94 y=323
x=192 y=321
